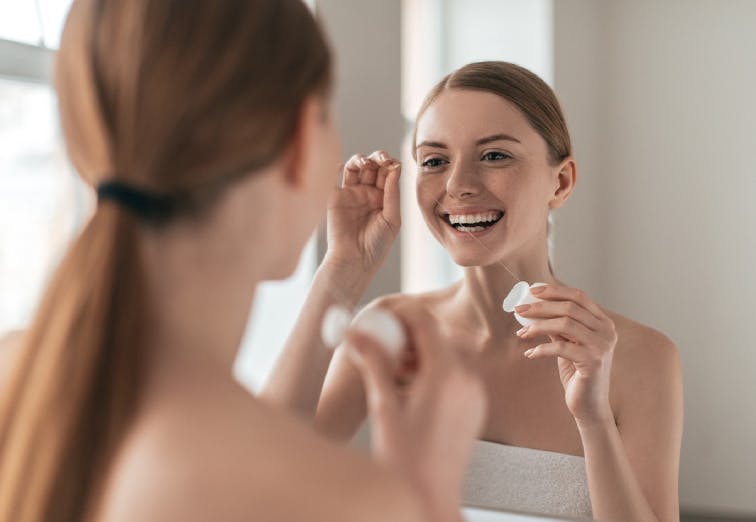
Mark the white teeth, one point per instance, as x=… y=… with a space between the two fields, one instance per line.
x=474 y=218
x=470 y=229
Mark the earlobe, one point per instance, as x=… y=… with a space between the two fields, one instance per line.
x=566 y=179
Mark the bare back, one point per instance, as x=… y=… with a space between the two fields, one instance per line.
x=224 y=455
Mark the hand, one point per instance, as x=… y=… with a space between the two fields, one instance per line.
x=363 y=214
x=426 y=429
x=583 y=339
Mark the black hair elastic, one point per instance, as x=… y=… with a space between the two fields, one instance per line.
x=149 y=206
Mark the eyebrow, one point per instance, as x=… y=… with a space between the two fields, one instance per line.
x=482 y=141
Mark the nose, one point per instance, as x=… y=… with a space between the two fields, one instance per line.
x=462 y=182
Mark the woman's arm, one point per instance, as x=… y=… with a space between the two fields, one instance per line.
x=632 y=466
x=342 y=407
x=297 y=378
x=363 y=222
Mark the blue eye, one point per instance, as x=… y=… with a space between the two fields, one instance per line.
x=495 y=156
x=433 y=162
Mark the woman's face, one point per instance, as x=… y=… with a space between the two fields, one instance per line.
x=485 y=183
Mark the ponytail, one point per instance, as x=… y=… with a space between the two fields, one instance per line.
x=180 y=100
x=75 y=385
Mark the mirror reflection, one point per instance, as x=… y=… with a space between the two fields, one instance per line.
x=528 y=296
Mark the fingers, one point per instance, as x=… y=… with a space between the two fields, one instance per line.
x=561 y=326
x=555 y=309
x=371 y=170
x=369 y=173
x=563 y=293
x=564 y=349
x=352 y=170
x=385 y=164
x=391 y=198
x=376 y=368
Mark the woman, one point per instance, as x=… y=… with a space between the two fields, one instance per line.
x=203 y=124
x=583 y=394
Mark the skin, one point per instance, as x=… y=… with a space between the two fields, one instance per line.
x=9 y=349
x=246 y=457
x=583 y=380
x=201 y=447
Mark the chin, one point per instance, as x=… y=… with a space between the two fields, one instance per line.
x=469 y=259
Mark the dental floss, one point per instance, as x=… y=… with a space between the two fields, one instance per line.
x=521 y=295
x=386 y=328
x=378 y=323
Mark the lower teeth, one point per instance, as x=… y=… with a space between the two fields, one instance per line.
x=470 y=229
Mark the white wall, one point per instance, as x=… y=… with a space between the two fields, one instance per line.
x=661 y=106
x=366 y=36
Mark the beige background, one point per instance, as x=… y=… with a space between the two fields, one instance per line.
x=659 y=97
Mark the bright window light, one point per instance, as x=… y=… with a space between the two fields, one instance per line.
x=36 y=22
x=42 y=202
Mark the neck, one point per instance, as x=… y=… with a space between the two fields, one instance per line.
x=484 y=288
x=200 y=298
x=199 y=309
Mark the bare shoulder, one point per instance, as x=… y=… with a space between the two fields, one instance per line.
x=639 y=345
x=409 y=306
x=646 y=361
x=245 y=460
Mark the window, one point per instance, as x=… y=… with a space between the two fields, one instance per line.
x=35 y=22
x=42 y=202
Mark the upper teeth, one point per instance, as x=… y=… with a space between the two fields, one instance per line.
x=474 y=218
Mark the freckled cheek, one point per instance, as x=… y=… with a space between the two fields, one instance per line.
x=428 y=194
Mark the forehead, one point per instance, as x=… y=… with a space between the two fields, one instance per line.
x=459 y=116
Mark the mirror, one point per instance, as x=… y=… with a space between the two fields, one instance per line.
x=657 y=100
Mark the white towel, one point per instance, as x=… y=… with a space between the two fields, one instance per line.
x=524 y=479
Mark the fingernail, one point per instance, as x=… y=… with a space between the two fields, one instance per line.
x=522 y=308
x=362 y=162
x=523 y=330
x=537 y=290
x=528 y=353
x=383 y=156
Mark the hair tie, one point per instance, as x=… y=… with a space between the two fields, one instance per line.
x=145 y=204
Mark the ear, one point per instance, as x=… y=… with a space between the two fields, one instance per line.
x=299 y=153
x=566 y=177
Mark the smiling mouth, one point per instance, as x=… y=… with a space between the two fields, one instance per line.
x=473 y=222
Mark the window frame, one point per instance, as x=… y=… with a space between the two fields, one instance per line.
x=25 y=62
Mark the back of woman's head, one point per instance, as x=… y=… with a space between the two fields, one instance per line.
x=175 y=99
